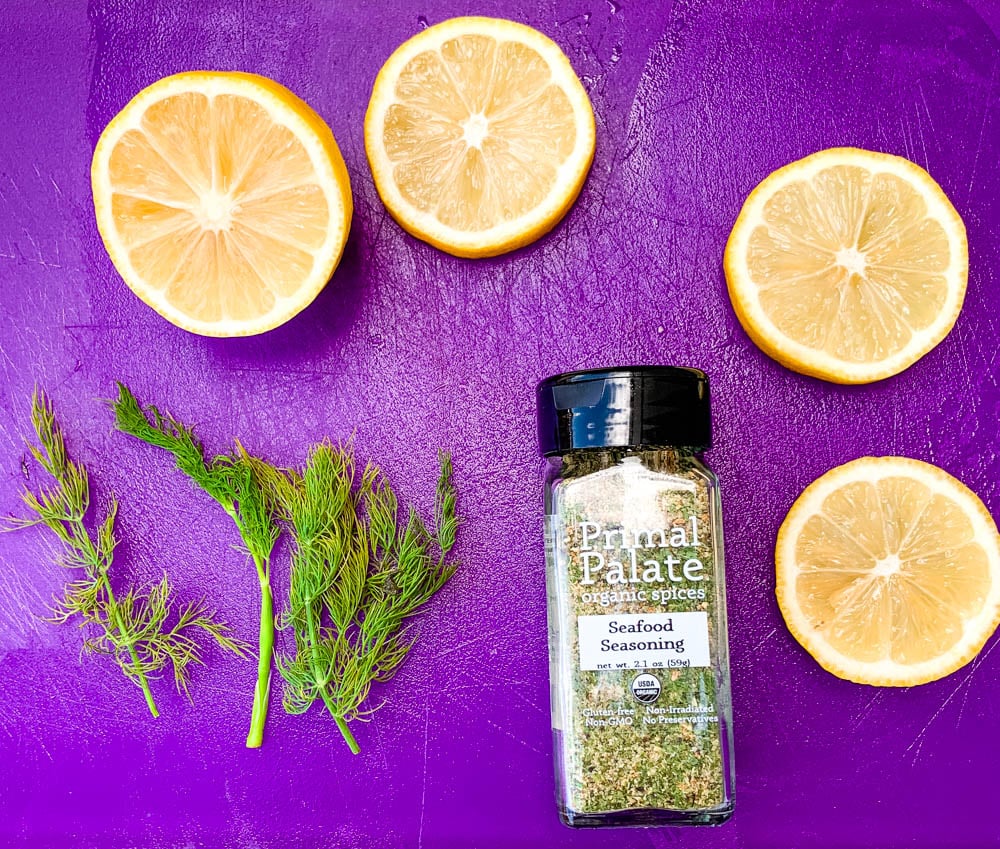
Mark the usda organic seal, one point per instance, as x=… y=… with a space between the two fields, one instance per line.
x=646 y=688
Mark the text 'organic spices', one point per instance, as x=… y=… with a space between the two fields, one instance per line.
x=641 y=708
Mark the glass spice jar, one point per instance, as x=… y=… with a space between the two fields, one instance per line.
x=638 y=654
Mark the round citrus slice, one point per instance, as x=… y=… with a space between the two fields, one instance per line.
x=223 y=201
x=479 y=135
x=847 y=265
x=888 y=572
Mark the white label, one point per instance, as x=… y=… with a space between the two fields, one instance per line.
x=644 y=641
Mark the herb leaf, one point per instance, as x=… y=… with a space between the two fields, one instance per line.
x=357 y=574
x=237 y=484
x=132 y=629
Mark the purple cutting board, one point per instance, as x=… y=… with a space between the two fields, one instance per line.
x=411 y=349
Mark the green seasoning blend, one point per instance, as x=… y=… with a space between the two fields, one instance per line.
x=639 y=667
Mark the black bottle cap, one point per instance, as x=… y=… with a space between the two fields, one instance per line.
x=642 y=406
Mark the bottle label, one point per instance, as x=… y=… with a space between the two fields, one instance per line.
x=644 y=641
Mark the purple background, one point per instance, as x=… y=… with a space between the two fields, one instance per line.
x=412 y=349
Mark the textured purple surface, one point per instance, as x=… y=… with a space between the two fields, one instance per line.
x=412 y=349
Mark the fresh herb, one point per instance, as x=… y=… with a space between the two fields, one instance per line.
x=358 y=573
x=131 y=629
x=231 y=481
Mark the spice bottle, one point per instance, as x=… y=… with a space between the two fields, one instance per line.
x=639 y=666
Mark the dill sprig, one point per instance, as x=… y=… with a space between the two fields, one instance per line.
x=231 y=481
x=132 y=629
x=358 y=572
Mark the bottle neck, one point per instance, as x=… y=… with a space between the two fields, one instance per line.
x=658 y=459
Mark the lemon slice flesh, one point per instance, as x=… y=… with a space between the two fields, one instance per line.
x=888 y=572
x=479 y=135
x=223 y=201
x=847 y=265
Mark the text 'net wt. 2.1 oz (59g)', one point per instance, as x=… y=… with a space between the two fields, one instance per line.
x=639 y=666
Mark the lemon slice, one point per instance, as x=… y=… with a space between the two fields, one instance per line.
x=223 y=201
x=888 y=572
x=479 y=135
x=847 y=265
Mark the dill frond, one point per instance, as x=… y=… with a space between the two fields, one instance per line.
x=132 y=629
x=243 y=486
x=358 y=572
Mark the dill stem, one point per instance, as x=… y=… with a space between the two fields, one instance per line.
x=144 y=683
x=265 y=646
x=113 y=616
x=321 y=682
x=344 y=730
x=85 y=543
